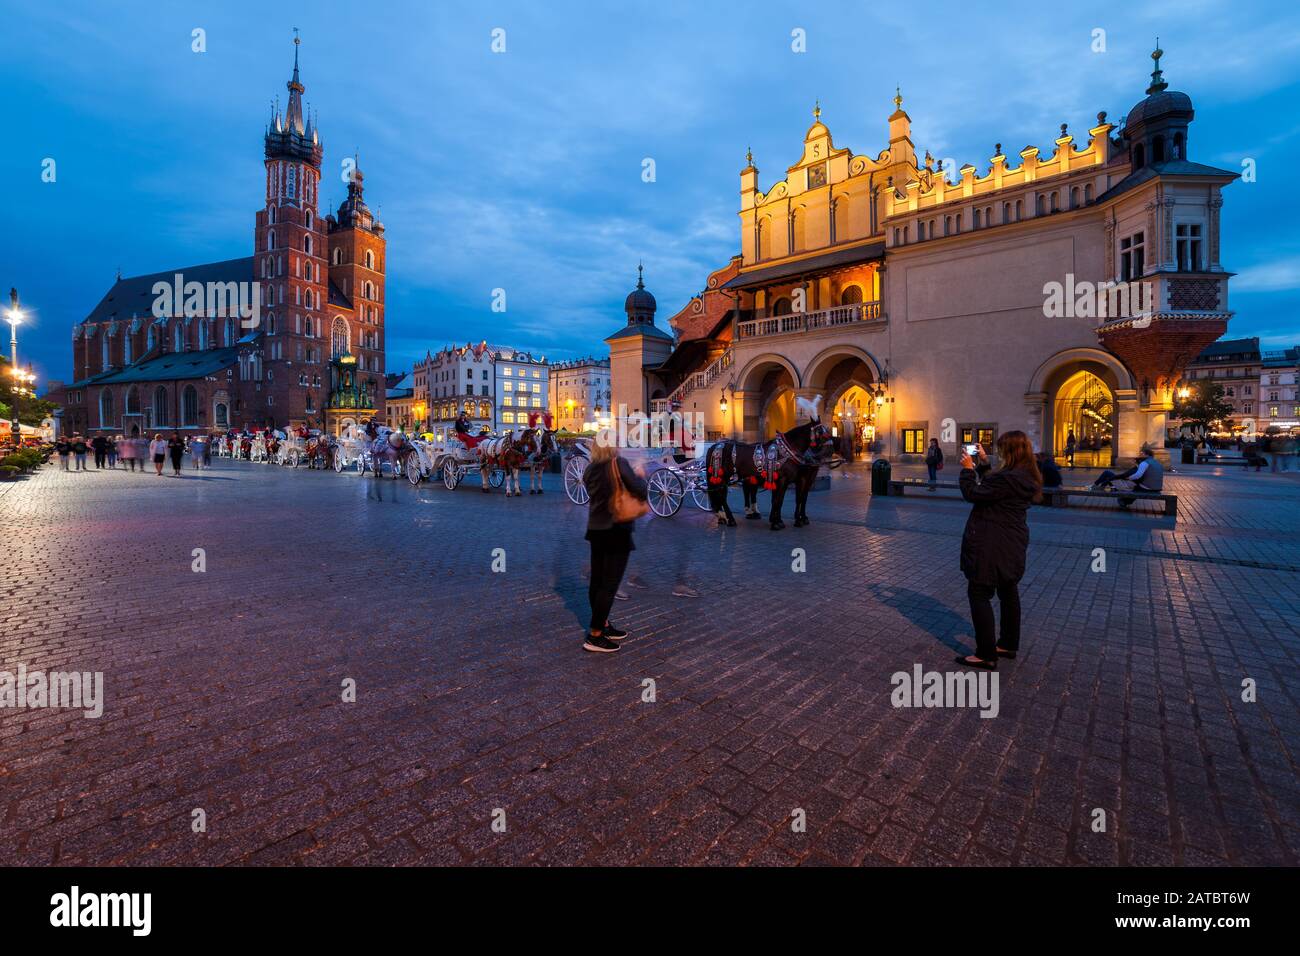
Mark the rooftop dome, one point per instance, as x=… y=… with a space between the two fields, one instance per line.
x=1161 y=102
x=639 y=299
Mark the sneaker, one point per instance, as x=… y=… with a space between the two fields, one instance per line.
x=685 y=590
x=620 y=595
x=613 y=633
x=635 y=581
x=599 y=644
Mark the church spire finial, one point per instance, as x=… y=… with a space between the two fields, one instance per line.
x=898 y=97
x=293 y=116
x=1158 y=84
x=817 y=111
x=640 y=268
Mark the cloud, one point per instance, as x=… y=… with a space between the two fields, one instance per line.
x=1275 y=276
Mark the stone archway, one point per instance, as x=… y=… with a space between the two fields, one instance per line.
x=768 y=385
x=1090 y=391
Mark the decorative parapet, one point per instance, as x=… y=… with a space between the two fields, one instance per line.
x=930 y=188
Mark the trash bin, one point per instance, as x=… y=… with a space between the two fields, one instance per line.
x=880 y=471
x=1189 y=455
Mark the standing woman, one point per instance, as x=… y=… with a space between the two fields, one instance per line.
x=618 y=498
x=176 y=448
x=197 y=445
x=158 y=448
x=995 y=541
x=112 y=450
x=933 y=461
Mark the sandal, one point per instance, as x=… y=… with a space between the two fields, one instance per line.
x=978 y=663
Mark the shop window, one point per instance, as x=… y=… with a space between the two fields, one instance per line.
x=913 y=441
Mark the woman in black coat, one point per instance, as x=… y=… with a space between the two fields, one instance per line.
x=995 y=541
x=611 y=542
x=176 y=448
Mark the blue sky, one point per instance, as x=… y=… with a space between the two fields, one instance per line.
x=522 y=170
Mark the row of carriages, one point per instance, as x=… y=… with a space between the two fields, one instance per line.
x=670 y=479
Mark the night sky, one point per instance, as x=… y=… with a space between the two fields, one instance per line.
x=523 y=170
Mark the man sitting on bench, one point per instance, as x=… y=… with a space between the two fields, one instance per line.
x=1147 y=475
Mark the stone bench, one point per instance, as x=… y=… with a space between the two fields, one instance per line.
x=1060 y=497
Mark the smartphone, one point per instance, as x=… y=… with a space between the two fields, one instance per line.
x=972 y=450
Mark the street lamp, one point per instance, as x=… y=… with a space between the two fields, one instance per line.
x=15 y=317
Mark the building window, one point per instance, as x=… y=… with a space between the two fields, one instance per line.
x=190 y=406
x=160 y=406
x=221 y=415
x=1132 y=257
x=913 y=441
x=1187 y=246
x=370 y=259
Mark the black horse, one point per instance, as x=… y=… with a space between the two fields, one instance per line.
x=791 y=458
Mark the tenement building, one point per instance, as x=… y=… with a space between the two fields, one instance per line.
x=187 y=349
x=498 y=387
x=580 y=394
x=1052 y=291
x=1234 y=365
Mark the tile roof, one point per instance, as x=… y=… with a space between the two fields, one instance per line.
x=135 y=296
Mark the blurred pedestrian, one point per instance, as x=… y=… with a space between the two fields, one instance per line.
x=176 y=448
x=100 y=444
x=79 y=450
x=933 y=461
x=617 y=498
x=63 y=448
x=158 y=450
x=111 y=450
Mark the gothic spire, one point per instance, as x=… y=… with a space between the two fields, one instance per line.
x=294 y=117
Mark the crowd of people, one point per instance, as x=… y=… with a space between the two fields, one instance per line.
x=110 y=451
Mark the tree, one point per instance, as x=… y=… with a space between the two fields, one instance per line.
x=31 y=410
x=1204 y=406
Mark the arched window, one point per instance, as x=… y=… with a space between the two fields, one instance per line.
x=1056 y=201
x=1178 y=147
x=203 y=333
x=105 y=347
x=977 y=218
x=1158 y=150
x=338 y=337
x=920 y=230
x=1074 y=197
x=133 y=401
x=370 y=259
x=1087 y=192
x=840 y=220
x=128 y=348
x=270 y=214
x=368 y=289
x=228 y=333
x=105 y=409
x=160 y=405
x=764 y=239
x=1020 y=209
x=798 y=229
x=309 y=219
x=782 y=306
x=151 y=338
x=306 y=244
x=1139 y=157
x=178 y=337
x=270 y=239
x=221 y=415
x=270 y=323
x=190 y=406
x=337 y=256
x=1040 y=205
x=851 y=295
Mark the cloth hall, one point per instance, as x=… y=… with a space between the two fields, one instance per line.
x=916 y=305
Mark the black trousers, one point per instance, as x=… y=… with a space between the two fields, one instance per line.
x=176 y=457
x=981 y=613
x=607 y=567
x=99 y=457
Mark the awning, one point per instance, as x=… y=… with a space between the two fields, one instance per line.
x=825 y=262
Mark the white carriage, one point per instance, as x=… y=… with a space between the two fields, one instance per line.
x=668 y=481
x=453 y=459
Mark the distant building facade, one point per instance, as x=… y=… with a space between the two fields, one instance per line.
x=1279 y=398
x=1235 y=365
x=580 y=394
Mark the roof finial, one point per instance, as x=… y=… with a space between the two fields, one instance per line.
x=1158 y=83
x=817 y=110
x=898 y=97
x=640 y=284
x=749 y=156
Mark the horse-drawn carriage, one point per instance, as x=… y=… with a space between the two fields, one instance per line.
x=455 y=457
x=668 y=481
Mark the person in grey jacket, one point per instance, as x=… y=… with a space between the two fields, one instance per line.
x=611 y=542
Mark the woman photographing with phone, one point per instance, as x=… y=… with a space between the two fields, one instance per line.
x=618 y=498
x=996 y=539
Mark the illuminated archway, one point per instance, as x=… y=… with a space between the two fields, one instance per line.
x=1083 y=406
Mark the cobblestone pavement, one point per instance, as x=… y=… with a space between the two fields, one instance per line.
x=224 y=688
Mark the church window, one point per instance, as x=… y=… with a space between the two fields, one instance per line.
x=370 y=259
x=189 y=406
x=1020 y=209
x=203 y=334
x=338 y=337
x=178 y=338
x=1040 y=205
x=309 y=219
x=293 y=180
x=1087 y=192
x=160 y=405
x=338 y=256
x=977 y=219
x=306 y=244
x=1056 y=201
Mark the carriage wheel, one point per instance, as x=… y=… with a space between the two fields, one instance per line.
x=450 y=475
x=573 y=484
x=412 y=469
x=700 y=492
x=293 y=460
x=665 y=492
x=339 y=463
x=496 y=478
x=361 y=464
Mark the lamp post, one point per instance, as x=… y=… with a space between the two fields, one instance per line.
x=14 y=318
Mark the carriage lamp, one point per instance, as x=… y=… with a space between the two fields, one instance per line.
x=723 y=404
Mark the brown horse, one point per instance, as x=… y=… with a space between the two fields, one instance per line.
x=791 y=458
x=319 y=449
x=507 y=453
